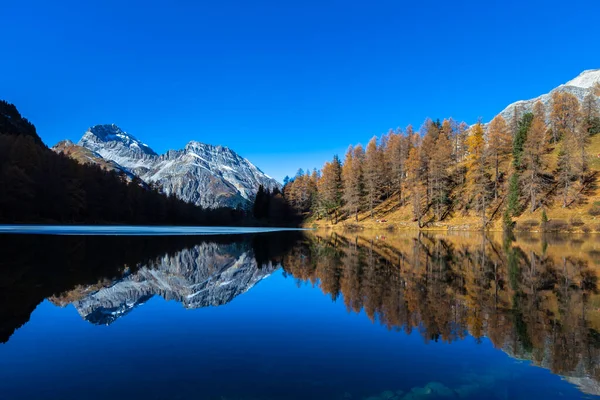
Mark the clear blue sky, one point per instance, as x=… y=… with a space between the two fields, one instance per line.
x=284 y=83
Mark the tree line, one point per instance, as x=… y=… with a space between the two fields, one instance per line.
x=39 y=186
x=448 y=168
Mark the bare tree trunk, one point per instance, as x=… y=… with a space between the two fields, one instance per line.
x=532 y=192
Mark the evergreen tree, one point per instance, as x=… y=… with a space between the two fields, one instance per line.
x=330 y=187
x=520 y=138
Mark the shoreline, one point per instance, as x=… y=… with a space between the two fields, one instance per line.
x=393 y=228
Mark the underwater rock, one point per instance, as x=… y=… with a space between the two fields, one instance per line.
x=439 y=389
x=417 y=393
x=387 y=395
x=466 y=390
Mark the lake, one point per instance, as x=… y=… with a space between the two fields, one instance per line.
x=299 y=315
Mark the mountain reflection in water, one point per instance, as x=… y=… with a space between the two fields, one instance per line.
x=105 y=277
x=533 y=297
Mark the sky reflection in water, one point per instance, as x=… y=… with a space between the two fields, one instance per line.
x=413 y=318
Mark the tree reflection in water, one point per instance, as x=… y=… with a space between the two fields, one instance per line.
x=534 y=297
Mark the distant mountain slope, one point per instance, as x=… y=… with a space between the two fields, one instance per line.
x=87 y=156
x=37 y=185
x=579 y=86
x=206 y=175
x=12 y=123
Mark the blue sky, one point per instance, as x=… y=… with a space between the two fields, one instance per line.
x=284 y=83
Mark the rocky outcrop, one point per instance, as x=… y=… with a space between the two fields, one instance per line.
x=87 y=156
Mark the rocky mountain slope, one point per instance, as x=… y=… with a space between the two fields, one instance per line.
x=208 y=274
x=206 y=175
x=87 y=156
x=579 y=86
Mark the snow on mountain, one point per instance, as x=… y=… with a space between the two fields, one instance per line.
x=206 y=175
x=579 y=86
x=586 y=79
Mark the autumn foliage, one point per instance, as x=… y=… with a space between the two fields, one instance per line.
x=448 y=169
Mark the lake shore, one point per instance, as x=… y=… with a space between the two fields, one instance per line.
x=470 y=226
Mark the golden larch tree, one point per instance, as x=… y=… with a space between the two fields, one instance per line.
x=500 y=146
x=352 y=178
x=373 y=174
x=533 y=150
x=477 y=175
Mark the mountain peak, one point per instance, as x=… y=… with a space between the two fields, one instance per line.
x=203 y=174
x=586 y=79
x=193 y=144
x=112 y=133
x=64 y=144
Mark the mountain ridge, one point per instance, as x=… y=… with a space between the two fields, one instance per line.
x=579 y=86
x=206 y=175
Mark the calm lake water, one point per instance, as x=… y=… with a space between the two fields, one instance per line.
x=299 y=315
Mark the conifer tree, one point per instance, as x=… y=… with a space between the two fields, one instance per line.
x=566 y=166
x=352 y=178
x=514 y=189
x=438 y=166
x=477 y=174
x=500 y=143
x=591 y=112
x=514 y=121
x=385 y=164
x=330 y=187
x=414 y=166
x=539 y=111
x=429 y=131
x=462 y=134
x=397 y=149
x=533 y=164
x=565 y=115
x=372 y=174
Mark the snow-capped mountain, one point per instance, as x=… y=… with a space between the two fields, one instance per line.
x=206 y=175
x=580 y=86
x=208 y=274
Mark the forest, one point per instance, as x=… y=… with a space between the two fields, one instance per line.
x=38 y=185
x=487 y=174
